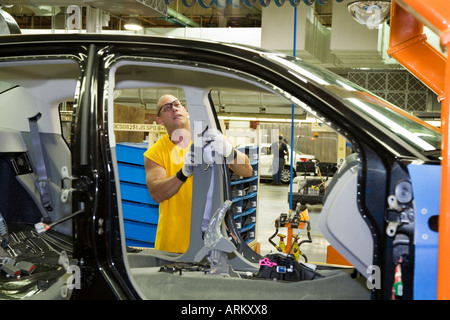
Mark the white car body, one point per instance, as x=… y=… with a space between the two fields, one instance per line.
x=266 y=158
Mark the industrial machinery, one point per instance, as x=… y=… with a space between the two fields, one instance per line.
x=297 y=219
x=311 y=182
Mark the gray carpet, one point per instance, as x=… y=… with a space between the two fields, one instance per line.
x=335 y=285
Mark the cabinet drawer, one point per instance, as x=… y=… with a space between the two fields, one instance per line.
x=136 y=193
x=131 y=173
x=140 y=212
x=131 y=153
x=140 y=231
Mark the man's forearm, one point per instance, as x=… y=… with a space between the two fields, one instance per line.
x=241 y=165
x=165 y=188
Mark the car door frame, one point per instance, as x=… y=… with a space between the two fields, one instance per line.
x=98 y=233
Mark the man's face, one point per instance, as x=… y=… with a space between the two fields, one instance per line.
x=171 y=113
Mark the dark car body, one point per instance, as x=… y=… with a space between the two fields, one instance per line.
x=45 y=71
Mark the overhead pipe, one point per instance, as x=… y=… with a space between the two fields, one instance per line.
x=409 y=47
x=249 y=3
x=181 y=18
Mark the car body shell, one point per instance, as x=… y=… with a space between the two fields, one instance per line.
x=98 y=232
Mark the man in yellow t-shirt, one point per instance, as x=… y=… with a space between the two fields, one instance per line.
x=169 y=164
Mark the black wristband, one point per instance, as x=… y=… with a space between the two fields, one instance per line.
x=180 y=175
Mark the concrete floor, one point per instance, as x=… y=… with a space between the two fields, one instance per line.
x=272 y=201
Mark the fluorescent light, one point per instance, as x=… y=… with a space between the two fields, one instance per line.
x=133 y=25
x=258 y=119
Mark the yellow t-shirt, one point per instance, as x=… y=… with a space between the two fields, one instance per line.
x=174 y=222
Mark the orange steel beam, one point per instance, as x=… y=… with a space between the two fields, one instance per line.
x=408 y=46
x=443 y=284
x=433 y=13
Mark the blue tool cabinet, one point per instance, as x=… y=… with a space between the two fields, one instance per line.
x=244 y=192
x=140 y=211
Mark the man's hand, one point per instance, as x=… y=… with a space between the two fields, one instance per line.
x=218 y=143
x=191 y=160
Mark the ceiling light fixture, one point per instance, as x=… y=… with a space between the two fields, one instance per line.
x=370 y=13
x=133 y=25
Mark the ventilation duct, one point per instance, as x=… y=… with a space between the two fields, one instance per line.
x=153 y=8
x=355 y=45
x=312 y=39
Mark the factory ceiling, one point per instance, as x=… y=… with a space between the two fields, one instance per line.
x=52 y=14
x=38 y=14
